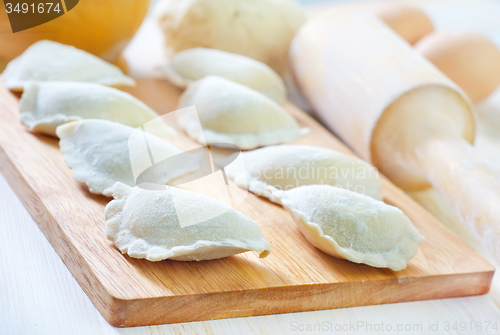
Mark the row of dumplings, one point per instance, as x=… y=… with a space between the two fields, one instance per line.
x=239 y=101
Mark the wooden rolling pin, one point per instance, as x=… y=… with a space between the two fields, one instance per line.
x=399 y=112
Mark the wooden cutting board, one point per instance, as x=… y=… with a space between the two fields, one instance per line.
x=295 y=277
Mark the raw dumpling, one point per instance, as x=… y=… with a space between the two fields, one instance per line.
x=194 y=64
x=352 y=226
x=287 y=166
x=233 y=113
x=259 y=29
x=179 y=225
x=46 y=105
x=102 y=152
x=51 y=61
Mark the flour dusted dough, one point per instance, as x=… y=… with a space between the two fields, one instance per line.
x=259 y=29
x=352 y=226
x=287 y=166
x=233 y=113
x=46 y=105
x=102 y=152
x=179 y=225
x=194 y=64
x=51 y=61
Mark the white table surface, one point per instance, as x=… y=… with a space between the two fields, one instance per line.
x=38 y=294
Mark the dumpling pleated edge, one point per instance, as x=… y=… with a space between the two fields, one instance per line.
x=18 y=85
x=243 y=141
x=48 y=125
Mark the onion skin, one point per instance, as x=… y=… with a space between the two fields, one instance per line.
x=101 y=27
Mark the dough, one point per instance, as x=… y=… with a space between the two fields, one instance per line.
x=46 y=105
x=179 y=225
x=232 y=113
x=194 y=64
x=352 y=226
x=102 y=152
x=259 y=29
x=287 y=166
x=51 y=61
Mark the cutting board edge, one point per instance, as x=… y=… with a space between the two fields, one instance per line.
x=127 y=313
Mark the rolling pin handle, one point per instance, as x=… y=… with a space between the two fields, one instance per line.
x=470 y=183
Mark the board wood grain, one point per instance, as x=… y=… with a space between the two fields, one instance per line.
x=295 y=277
